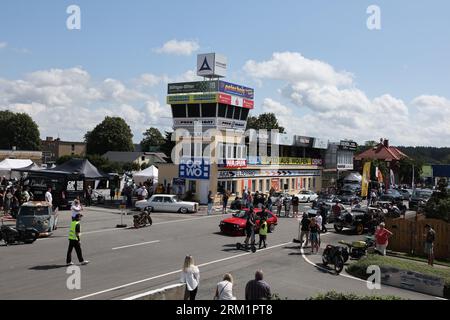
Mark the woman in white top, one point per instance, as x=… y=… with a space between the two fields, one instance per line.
x=76 y=208
x=190 y=276
x=224 y=290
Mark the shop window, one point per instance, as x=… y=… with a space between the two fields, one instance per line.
x=314 y=183
x=267 y=185
x=192 y=186
x=293 y=184
x=193 y=110
x=221 y=186
x=253 y=185
x=261 y=186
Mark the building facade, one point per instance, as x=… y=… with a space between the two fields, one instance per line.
x=52 y=149
x=35 y=156
x=140 y=158
x=338 y=162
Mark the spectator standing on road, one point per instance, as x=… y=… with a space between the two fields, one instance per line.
x=210 y=202
x=190 y=276
x=144 y=193
x=8 y=201
x=2 y=199
x=250 y=200
x=76 y=208
x=323 y=212
x=263 y=233
x=224 y=289
x=279 y=205
x=258 y=289
x=304 y=230
x=225 y=197
x=430 y=237
x=74 y=241
x=250 y=228
x=381 y=238
x=112 y=193
x=88 y=196
x=314 y=235
x=295 y=204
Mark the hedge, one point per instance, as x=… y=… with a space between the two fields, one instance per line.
x=333 y=295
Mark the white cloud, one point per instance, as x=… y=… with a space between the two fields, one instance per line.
x=183 y=47
x=66 y=102
x=326 y=103
x=3 y=45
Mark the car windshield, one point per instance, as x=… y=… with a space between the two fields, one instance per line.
x=34 y=211
x=240 y=214
x=304 y=192
x=423 y=193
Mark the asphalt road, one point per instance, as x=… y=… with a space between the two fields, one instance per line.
x=125 y=262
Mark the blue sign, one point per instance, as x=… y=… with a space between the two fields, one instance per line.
x=194 y=170
x=237 y=90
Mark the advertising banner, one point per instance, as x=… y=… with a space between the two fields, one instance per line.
x=236 y=90
x=211 y=65
x=275 y=183
x=301 y=141
x=194 y=170
x=320 y=143
x=365 y=180
x=233 y=163
x=348 y=145
x=193 y=87
x=192 y=98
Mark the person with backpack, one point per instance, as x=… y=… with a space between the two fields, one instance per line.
x=224 y=289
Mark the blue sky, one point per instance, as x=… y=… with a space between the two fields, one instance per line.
x=407 y=60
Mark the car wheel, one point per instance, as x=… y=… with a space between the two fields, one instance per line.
x=183 y=210
x=338 y=228
x=271 y=228
x=359 y=229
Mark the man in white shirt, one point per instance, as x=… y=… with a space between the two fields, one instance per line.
x=144 y=193
x=48 y=196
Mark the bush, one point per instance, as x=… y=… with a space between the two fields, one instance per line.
x=333 y=295
x=438 y=207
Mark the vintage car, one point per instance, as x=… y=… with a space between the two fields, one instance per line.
x=38 y=215
x=235 y=225
x=419 y=198
x=358 y=219
x=307 y=196
x=167 y=203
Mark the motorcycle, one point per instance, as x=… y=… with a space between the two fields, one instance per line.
x=142 y=219
x=335 y=255
x=11 y=235
x=358 y=249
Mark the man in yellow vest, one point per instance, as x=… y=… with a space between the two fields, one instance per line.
x=74 y=241
x=263 y=233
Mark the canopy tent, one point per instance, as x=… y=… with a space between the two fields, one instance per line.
x=7 y=165
x=144 y=175
x=354 y=177
x=80 y=166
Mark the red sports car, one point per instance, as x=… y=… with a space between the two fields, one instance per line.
x=235 y=226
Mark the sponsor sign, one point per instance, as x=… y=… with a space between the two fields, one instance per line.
x=192 y=98
x=211 y=65
x=345 y=166
x=320 y=143
x=236 y=90
x=348 y=145
x=266 y=173
x=235 y=101
x=193 y=87
x=284 y=161
x=194 y=170
x=301 y=141
x=234 y=163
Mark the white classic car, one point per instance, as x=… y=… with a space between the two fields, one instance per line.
x=167 y=203
x=307 y=196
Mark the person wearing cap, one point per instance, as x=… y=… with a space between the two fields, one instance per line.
x=74 y=241
x=430 y=236
x=381 y=238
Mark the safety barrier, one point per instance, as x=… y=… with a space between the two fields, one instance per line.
x=172 y=292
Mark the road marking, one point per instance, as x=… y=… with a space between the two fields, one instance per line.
x=135 y=245
x=176 y=271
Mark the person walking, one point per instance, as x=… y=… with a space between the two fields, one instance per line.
x=314 y=235
x=74 y=241
x=304 y=230
x=76 y=208
x=430 y=237
x=263 y=233
x=224 y=289
x=48 y=196
x=381 y=238
x=190 y=276
x=225 y=197
x=210 y=202
x=250 y=201
x=295 y=204
x=279 y=205
x=258 y=289
x=88 y=196
x=250 y=228
x=323 y=212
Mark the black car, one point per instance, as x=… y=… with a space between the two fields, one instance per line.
x=358 y=220
x=348 y=197
x=356 y=188
x=406 y=194
x=392 y=196
x=419 y=196
x=325 y=199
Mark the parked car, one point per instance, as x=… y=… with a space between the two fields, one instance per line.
x=327 y=200
x=353 y=187
x=406 y=194
x=38 y=215
x=348 y=197
x=167 y=203
x=419 y=196
x=235 y=226
x=358 y=220
x=307 y=196
x=392 y=195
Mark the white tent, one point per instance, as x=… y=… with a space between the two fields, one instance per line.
x=144 y=175
x=8 y=164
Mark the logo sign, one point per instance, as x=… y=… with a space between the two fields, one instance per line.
x=232 y=163
x=320 y=143
x=236 y=90
x=192 y=98
x=348 y=145
x=194 y=170
x=302 y=141
x=235 y=101
x=211 y=65
x=192 y=87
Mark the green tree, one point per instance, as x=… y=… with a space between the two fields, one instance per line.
x=152 y=138
x=168 y=145
x=266 y=121
x=18 y=130
x=438 y=207
x=112 y=134
x=406 y=170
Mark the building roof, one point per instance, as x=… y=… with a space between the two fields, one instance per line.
x=382 y=152
x=118 y=156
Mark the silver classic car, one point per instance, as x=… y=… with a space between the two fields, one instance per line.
x=167 y=203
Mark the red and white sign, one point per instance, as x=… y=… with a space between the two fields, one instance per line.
x=235 y=163
x=235 y=101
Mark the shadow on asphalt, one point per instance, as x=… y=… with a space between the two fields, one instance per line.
x=48 y=267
